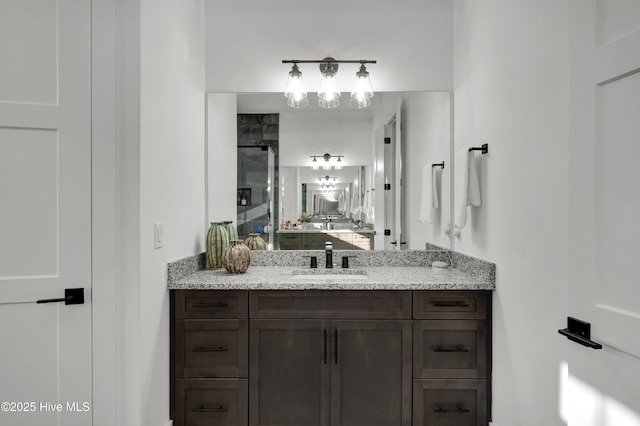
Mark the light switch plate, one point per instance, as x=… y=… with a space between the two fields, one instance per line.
x=158 y=237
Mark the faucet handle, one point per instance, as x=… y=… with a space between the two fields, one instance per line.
x=345 y=261
x=314 y=261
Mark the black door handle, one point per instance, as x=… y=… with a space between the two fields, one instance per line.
x=72 y=296
x=580 y=332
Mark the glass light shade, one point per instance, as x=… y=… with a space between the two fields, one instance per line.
x=329 y=96
x=295 y=92
x=362 y=91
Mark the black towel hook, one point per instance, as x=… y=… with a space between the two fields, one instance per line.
x=438 y=165
x=484 y=148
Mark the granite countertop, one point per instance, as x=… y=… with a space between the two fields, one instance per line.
x=377 y=278
x=377 y=270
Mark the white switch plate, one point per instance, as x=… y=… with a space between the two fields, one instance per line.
x=158 y=237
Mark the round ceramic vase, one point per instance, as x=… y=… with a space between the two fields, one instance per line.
x=237 y=257
x=255 y=242
x=217 y=243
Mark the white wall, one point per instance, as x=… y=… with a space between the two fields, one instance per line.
x=511 y=91
x=172 y=177
x=427 y=136
x=300 y=140
x=222 y=157
x=247 y=41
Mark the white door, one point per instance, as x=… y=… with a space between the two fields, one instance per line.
x=45 y=211
x=602 y=386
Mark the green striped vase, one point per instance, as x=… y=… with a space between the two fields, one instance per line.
x=217 y=242
x=232 y=230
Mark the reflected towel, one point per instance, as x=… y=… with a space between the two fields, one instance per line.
x=368 y=209
x=429 y=199
x=467 y=185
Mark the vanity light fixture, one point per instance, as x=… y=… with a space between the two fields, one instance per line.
x=362 y=92
x=327 y=178
x=295 y=92
x=329 y=95
x=327 y=161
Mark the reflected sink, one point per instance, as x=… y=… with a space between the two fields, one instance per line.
x=329 y=274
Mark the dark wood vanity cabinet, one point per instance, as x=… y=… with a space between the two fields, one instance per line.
x=451 y=358
x=316 y=240
x=331 y=357
x=209 y=363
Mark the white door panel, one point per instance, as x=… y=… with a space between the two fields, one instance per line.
x=45 y=210
x=602 y=386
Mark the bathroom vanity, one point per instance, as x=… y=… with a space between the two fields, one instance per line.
x=342 y=239
x=285 y=345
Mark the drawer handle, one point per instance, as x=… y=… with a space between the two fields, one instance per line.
x=219 y=349
x=456 y=304
x=210 y=305
x=204 y=409
x=458 y=409
x=450 y=349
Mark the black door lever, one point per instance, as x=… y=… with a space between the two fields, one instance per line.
x=72 y=296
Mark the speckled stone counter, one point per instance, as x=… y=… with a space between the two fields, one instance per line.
x=280 y=270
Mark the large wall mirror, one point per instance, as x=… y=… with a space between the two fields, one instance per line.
x=372 y=178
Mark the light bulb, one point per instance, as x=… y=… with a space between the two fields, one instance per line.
x=295 y=92
x=362 y=92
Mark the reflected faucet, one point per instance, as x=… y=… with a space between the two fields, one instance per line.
x=328 y=249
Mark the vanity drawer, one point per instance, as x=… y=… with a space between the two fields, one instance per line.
x=454 y=349
x=290 y=242
x=449 y=403
x=450 y=304
x=211 y=402
x=330 y=304
x=211 y=348
x=210 y=304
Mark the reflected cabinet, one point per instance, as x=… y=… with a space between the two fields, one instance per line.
x=330 y=358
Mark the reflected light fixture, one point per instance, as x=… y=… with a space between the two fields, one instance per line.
x=327 y=165
x=329 y=94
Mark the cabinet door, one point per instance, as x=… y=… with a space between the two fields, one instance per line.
x=371 y=373
x=289 y=372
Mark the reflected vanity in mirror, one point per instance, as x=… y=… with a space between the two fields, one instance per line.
x=377 y=182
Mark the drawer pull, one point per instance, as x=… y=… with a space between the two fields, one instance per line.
x=456 y=410
x=204 y=409
x=450 y=349
x=219 y=349
x=456 y=304
x=210 y=305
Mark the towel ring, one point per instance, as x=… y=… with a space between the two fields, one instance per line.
x=484 y=148
x=438 y=165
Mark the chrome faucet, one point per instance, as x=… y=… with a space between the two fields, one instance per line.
x=328 y=249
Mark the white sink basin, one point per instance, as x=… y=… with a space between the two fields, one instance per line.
x=329 y=274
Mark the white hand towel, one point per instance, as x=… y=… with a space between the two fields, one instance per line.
x=467 y=185
x=429 y=199
x=368 y=211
